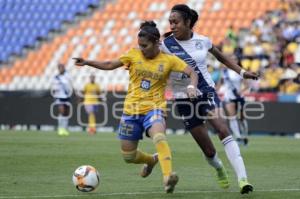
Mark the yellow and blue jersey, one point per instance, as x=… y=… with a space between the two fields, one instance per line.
x=91 y=94
x=148 y=79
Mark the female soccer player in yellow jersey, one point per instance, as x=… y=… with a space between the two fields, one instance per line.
x=145 y=106
x=91 y=93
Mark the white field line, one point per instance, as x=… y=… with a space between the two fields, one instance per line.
x=137 y=193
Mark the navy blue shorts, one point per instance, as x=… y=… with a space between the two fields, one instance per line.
x=91 y=108
x=239 y=100
x=63 y=101
x=132 y=127
x=239 y=103
x=194 y=112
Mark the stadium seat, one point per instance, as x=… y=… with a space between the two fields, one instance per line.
x=105 y=34
x=40 y=15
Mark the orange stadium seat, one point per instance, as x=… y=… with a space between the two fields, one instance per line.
x=238 y=13
x=74 y=42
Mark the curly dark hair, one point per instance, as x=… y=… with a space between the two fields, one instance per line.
x=149 y=30
x=187 y=13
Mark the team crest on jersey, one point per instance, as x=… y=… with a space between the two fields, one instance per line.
x=198 y=44
x=161 y=68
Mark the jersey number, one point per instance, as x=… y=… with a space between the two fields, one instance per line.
x=126 y=129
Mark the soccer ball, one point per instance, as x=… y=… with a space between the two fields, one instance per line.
x=86 y=178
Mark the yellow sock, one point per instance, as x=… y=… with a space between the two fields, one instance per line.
x=142 y=157
x=92 y=120
x=137 y=157
x=164 y=153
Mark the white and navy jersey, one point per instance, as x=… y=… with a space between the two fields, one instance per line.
x=232 y=84
x=193 y=52
x=61 y=86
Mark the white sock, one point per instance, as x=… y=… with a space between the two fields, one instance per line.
x=215 y=161
x=246 y=129
x=60 y=121
x=234 y=126
x=63 y=122
x=234 y=156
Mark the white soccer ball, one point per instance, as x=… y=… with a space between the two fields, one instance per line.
x=86 y=178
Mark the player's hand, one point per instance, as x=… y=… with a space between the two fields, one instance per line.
x=79 y=61
x=251 y=75
x=192 y=92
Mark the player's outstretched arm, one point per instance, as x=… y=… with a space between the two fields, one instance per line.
x=229 y=63
x=102 y=65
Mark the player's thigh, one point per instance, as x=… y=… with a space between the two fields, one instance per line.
x=218 y=122
x=230 y=108
x=157 y=127
x=63 y=108
x=66 y=109
x=155 y=122
x=60 y=107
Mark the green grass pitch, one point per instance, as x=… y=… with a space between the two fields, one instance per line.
x=40 y=165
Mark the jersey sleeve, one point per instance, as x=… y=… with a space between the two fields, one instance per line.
x=127 y=57
x=85 y=88
x=178 y=65
x=208 y=43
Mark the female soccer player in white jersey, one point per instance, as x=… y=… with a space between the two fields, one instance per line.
x=233 y=104
x=193 y=49
x=61 y=90
x=145 y=105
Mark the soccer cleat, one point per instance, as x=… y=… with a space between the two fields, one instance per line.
x=91 y=130
x=60 y=131
x=63 y=132
x=66 y=132
x=245 y=186
x=147 y=168
x=222 y=177
x=170 y=182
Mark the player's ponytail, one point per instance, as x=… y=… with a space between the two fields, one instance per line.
x=149 y=30
x=194 y=18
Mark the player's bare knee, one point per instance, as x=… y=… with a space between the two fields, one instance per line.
x=129 y=156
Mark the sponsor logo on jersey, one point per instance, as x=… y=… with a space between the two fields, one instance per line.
x=179 y=54
x=174 y=47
